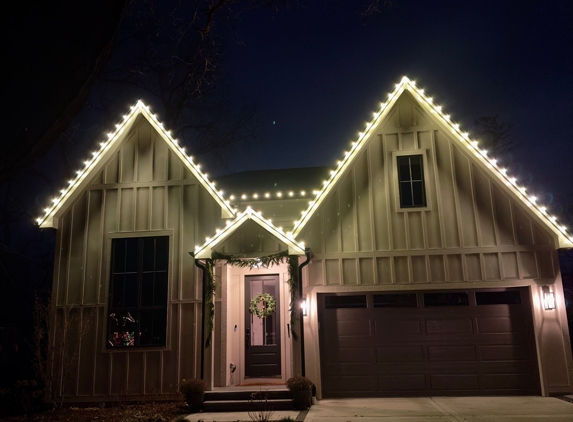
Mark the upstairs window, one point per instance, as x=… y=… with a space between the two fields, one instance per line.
x=411 y=181
x=137 y=314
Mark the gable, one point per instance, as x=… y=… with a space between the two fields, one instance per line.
x=139 y=150
x=461 y=179
x=249 y=235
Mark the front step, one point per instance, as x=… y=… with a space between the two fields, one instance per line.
x=247 y=400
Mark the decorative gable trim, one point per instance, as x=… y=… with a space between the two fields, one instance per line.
x=107 y=148
x=565 y=240
x=204 y=251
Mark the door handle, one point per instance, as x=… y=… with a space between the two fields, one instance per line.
x=247 y=337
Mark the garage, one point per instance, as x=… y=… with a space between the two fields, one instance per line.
x=459 y=342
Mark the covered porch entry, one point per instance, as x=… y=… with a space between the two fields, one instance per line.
x=250 y=335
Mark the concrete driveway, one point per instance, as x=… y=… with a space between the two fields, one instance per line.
x=441 y=409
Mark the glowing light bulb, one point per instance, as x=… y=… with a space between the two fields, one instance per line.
x=267 y=195
x=302 y=193
x=255 y=196
x=291 y=193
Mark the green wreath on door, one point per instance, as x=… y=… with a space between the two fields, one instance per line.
x=269 y=305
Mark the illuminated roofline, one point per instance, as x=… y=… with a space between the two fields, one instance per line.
x=565 y=240
x=204 y=251
x=98 y=157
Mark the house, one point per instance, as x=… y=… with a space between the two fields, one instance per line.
x=418 y=267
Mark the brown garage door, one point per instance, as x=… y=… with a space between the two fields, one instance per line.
x=471 y=342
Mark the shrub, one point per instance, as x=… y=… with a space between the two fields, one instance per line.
x=299 y=383
x=192 y=386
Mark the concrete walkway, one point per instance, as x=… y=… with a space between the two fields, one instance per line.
x=421 y=409
x=442 y=409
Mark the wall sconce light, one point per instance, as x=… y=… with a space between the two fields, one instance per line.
x=548 y=299
x=304 y=307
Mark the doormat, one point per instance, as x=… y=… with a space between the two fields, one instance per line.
x=257 y=384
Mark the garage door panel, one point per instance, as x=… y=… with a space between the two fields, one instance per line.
x=397 y=328
x=508 y=381
x=454 y=382
x=507 y=324
x=448 y=326
x=400 y=354
x=366 y=383
x=351 y=355
x=505 y=352
x=335 y=369
x=506 y=367
x=353 y=328
x=403 y=382
x=453 y=353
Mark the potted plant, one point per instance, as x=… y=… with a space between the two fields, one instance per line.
x=301 y=390
x=194 y=390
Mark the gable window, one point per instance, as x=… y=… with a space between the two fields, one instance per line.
x=411 y=181
x=138 y=292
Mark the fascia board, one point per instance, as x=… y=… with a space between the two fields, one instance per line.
x=204 y=251
x=107 y=149
x=563 y=238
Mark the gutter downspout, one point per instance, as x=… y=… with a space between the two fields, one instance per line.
x=301 y=315
x=204 y=269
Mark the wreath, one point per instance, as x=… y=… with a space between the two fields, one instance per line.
x=269 y=305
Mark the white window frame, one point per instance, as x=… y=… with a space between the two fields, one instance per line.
x=396 y=182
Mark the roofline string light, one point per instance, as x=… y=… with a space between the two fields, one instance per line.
x=249 y=213
x=472 y=145
x=105 y=146
x=267 y=195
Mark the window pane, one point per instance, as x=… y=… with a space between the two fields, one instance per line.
x=122 y=327
x=406 y=194
x=403 y=169
x=148 y=254
x=117 y=291
x=118 y=251
x=416 y=167
x=131 y=255
x=147 y=292
x=418 y=193
x=160 y=291
x=354 y=301
x=395 y=301
x=446 y=299
x=162 y=253
x=152 y=328
x=509 y=297
x=131 y=291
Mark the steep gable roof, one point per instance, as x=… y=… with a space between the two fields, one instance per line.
x=489 y=164
x=107 y=148
x=205 y=250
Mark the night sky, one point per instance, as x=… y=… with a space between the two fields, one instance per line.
x=317 y=73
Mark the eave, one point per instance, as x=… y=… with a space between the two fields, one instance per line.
x=99 y=158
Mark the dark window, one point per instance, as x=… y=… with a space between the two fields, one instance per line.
x=446 y=299
x=393 y=300
x=411 y=181
x=138 y=292
x=509 y=297
x=354 y=301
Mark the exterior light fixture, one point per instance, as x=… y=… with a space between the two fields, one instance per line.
x=304 y=307
x=548 y=299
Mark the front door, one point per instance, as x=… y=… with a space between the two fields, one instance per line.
x=262 y=335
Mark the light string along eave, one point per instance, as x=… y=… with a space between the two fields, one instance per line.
x=472 y=145
x=96 y=157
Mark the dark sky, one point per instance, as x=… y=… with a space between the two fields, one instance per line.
x=317 y=73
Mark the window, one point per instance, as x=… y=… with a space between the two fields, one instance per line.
x=396 y=300
x=446 y=299
x=337 y=302
x=508 y=297
x=411 y=181
x=138 y=292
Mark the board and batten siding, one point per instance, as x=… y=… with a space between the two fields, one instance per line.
x=472 y=230
x=144 y=190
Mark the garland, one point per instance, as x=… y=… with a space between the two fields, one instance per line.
x=251 y=263
x=269 y=305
